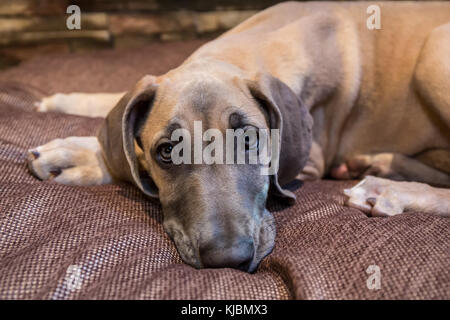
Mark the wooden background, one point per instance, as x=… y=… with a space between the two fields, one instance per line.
x=34 y=27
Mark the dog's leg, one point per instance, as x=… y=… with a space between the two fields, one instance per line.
x=393 y=166
x=432 y=74
x=383 y=197
x=315 y=166
x=82 y=104
x=70 y=161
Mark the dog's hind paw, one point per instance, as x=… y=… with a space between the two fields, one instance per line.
x=381 y=197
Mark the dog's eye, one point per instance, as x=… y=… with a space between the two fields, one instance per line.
x=165 y=152
x=251 y=138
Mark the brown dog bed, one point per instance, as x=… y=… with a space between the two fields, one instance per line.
x=107 y=242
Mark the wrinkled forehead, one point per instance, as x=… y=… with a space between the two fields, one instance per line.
x=216 y=103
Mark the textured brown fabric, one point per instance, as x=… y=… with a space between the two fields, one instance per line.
x=115 y=237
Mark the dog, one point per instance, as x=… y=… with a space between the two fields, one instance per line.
x=350 y=103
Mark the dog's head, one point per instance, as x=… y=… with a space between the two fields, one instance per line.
x=215 y=213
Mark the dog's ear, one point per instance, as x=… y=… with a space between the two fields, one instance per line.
x=119 y=136
x=287 y=113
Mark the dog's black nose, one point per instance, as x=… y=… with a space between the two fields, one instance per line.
x=238 y=256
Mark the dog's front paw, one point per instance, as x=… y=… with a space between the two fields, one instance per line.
x=73 y=103
x=381 y=197
x=70 y=161
x=50 y=103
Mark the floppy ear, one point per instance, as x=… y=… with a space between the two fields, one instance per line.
x=119 y=136
x=288 y=114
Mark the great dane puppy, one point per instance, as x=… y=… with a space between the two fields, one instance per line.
x=379 y=101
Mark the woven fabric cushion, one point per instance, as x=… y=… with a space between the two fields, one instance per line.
x=107 y=242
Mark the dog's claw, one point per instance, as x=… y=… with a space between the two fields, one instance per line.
x=55 y=172
x=372 y=200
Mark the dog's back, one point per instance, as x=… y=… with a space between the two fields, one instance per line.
x=376 y=67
